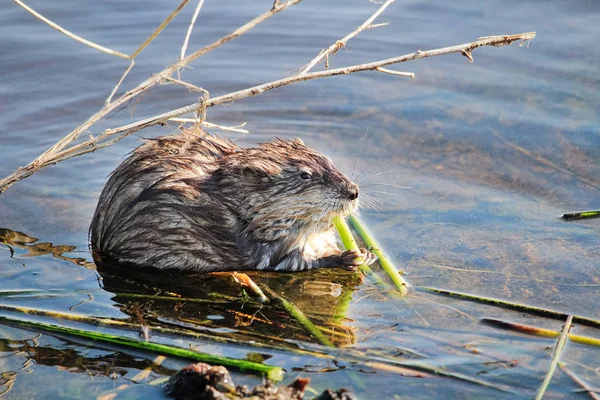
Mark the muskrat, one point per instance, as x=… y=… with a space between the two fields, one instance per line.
x=201 y=203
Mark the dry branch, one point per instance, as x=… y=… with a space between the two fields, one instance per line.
x=128 y=129
x=71 y=34
x=60 y=151
x=56 y=152
x=189 y=31
x=324 y=54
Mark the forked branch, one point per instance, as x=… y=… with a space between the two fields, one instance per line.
x=63 y=149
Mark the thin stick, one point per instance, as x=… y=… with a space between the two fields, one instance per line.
x=399 y=73
x=110 y=96
x=158 y=30
x=401 y=283
x=258 y=89
x=555 y=358
x=236 y=129
x=342 y=42
x=71 y=34
x=190 y=28
x=54 y=154
x=186 y=84
x=581 y=215
x=50 y=156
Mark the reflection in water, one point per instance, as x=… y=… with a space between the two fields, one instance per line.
x=23 y=241
x=216 y=303
x=96 y=363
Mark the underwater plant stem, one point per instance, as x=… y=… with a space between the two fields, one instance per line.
x=544 y=312
x=299 y=316
x=272 y=372
x=560 y=344
x=401 y=284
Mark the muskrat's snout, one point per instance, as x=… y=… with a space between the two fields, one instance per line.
x=353 y=192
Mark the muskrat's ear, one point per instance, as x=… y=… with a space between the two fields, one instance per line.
x=299 y=141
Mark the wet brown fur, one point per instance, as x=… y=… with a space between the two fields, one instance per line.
x=202 y=203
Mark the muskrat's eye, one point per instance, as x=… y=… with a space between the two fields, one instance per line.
x=305 y=175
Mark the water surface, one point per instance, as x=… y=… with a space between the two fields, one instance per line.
x=492 y=152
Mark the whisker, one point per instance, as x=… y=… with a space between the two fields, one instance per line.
x=358 y=155
x=357 y=180
x=370 y=204
x=379 y=191
x=385 y=184
x=362 y=171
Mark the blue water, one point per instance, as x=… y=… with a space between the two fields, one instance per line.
x=491 y=152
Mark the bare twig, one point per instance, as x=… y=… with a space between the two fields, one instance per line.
x=60 y=151
x=342 y=42
x=158 y=30
x=236 y=129
x=110 y=96
x=256 y=90
x=392 y=72
x=57 y=153
x=189 y=31
x=71 y=34
x=185 y=84
x=560 y=344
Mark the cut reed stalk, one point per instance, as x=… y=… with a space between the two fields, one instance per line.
x=350 y=244
x=401 y=284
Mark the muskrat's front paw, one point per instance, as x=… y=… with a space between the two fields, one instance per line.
x=351 y=259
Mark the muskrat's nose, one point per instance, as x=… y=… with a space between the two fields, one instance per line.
x=353 y=193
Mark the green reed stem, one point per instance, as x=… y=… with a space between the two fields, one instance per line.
x=299 y=316
x=401 y=284
x=581 y=215
x=350 y=244
x=272 y=372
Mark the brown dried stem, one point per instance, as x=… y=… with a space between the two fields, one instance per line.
x=128 y=129
x=60 y=151
x=57 y=153
x=71 y=34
